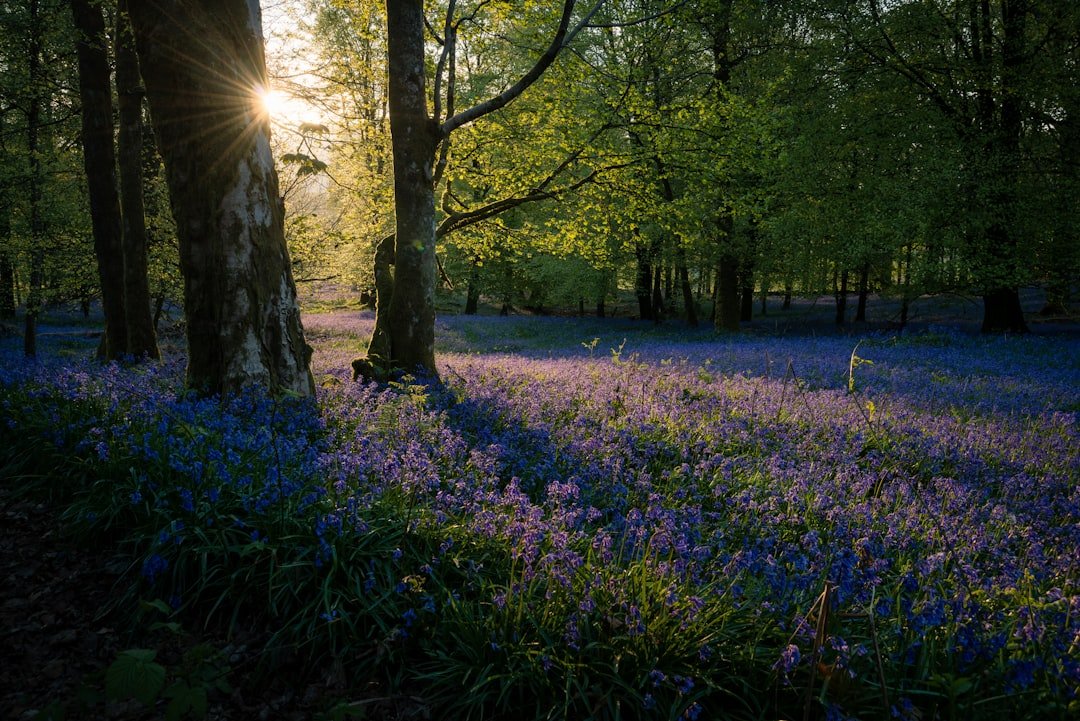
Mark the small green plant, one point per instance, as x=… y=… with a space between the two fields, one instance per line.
x=854 y=362
x=136 y=674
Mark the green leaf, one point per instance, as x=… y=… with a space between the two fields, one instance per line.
x=135 y=675
x=180 y=701
x=158 y=605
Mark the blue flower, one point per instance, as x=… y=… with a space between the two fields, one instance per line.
x=153 y=566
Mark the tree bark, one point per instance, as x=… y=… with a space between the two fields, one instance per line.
x=34 y=182
x=472 y=292
x=415 y=138
x=746 y=309
x=841 y=293
x=379 y=346
x=689 y=306
x=99 y=160
x=643 y=281
x=1001 y=299
x=7 y=270
x=726 y=310
x=864 y=291
x=203 y=65
x=657 y=294
x=141 y=340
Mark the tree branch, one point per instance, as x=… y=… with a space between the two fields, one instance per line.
x=562 y=36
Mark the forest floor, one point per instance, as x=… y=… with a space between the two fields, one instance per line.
x=60 y=633
x=58 y=622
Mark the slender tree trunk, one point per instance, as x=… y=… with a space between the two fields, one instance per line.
x=203 y=66
x=657 y=294
x=379 y=346
x=415 y=139
x=7 y=270
x=601 y=295
x=787 y=296
x=99 y=158
x=472 y=290
x=905 y=285
x=141 y=340
x=643 y=283
x=727 y=307
x=841 y=293
x=689 y=306
x=864 y=291
x=746 y=308
x=746 y=274
x=34 y=183
x=472 y=298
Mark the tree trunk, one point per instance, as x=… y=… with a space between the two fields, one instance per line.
x=415 y=138
x=7 y=270
x=643 y=282
x=472 y=290
x=864 y=291
x=99 y=159
x=904 y=275
x=34 y=183
x=472 y=298
x=746 y=308
x=727 y=309
x=203 y=66
x=601 y=295
x=657 y=297
x=841 y=293
x=787 y=296
x=379 y=346
x=1002 y=312
x=689 y=306
x=1002 y=128
x=141 y=341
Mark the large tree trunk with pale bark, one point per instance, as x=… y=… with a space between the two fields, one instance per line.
x=141 y=340
x=203 y=65
x=99 y=159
